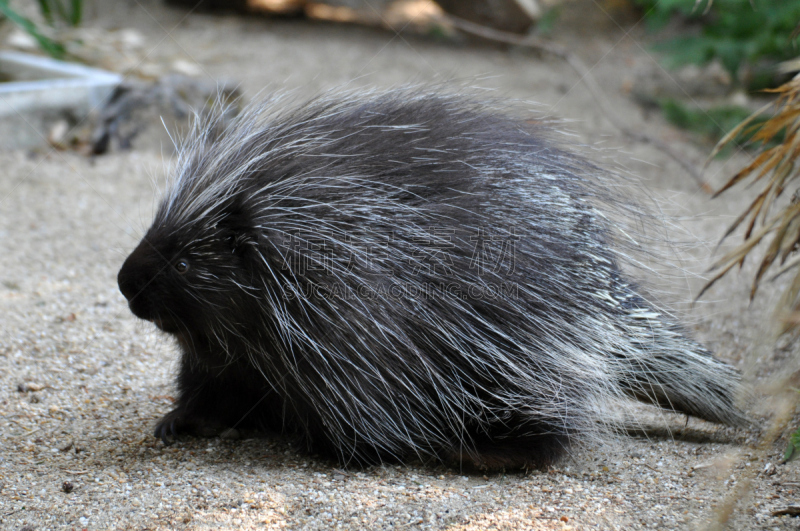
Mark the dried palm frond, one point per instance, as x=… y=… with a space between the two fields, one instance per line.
x=776 y=166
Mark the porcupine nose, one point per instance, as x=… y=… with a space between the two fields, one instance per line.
x=137 y=272
x=129 y=284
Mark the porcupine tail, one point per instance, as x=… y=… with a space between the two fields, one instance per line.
x=666 y=368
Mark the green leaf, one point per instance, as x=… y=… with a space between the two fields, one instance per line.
x=793 y=447
x=48 y=45
x=71 y=15
x=548 y=21
x=77 y=12
x=44 y=8
x=733 y=31
x=713 y=123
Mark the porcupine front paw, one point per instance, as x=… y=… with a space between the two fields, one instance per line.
x=179 y=421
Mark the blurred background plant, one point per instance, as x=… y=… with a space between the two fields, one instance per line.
x=711 y=124
x=774 y=166
x=55 y=14
x=748 y=38
x=757 y=34
x=770 y=218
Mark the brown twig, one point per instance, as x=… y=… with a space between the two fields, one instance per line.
x=586 y=78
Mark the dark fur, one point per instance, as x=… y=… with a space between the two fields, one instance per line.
x=496 y=382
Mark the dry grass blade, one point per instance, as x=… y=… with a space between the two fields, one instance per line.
x=742 y=217
x=737 y=256
x=736 y=131
x=782 y=234
x=740 y=252
x=714 y=279
x=755 y=209
x=744 y=172
x=790 y=241
x=788 y=266
x=790 y=318
x=775 y=167
x=776 y=185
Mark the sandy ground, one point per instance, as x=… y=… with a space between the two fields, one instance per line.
x=82 y=382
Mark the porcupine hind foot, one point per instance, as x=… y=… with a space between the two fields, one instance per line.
x=513 y=453
x=519 y=443
x=494 y=448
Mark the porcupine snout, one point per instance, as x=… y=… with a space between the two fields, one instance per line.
x=136 y=280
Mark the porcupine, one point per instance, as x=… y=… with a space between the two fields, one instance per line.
x=403 y=274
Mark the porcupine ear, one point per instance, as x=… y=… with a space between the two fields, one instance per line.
x=238 y=229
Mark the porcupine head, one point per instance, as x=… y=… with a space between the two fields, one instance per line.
x=186 y=278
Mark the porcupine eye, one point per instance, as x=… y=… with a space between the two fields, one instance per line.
x=181 y=266
x=231 y=242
